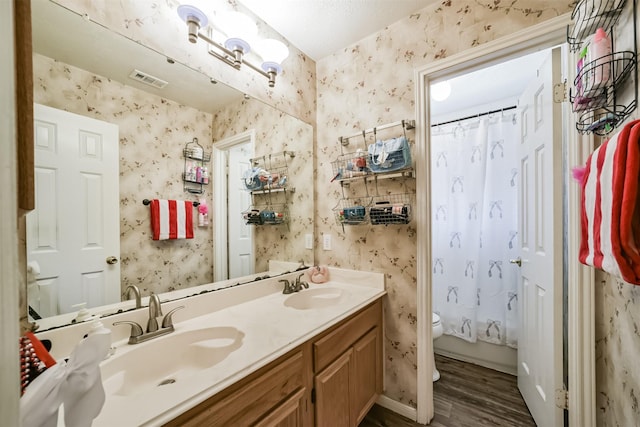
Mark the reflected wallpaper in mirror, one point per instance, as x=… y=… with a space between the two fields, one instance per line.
x=153 y=130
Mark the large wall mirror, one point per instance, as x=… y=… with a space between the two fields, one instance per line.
x=91 y=82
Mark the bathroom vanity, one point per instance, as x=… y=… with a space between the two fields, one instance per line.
x=248 y=355
x=334 y=379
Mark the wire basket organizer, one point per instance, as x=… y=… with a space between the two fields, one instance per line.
x=351 y=165
x=268 y=172
x=352 y=211
x=266 y=215
x=391 y=209
x=588 y=15
x=259 y=179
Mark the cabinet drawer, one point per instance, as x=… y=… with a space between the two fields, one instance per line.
x=250 y=402
x=338 y=340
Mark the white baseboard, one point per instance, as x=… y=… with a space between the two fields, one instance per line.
x=397 y=407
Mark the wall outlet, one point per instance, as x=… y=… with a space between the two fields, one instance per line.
x=308 y=241
x=326 y=242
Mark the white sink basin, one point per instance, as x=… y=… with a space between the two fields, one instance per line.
x=168 y=359
x=316 y=298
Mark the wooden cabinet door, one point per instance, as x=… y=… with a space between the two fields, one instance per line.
x=365 y=383
x=288 y=414
x=332 y=394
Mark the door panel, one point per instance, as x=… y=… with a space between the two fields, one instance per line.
x=240 y=235
x=332 y=391
x=76 y=223
x=540 y=204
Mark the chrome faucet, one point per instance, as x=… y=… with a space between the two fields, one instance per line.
x=300 y=283
x=136 y=293
x=155 y=311
x=291 y=287
x=288 y=288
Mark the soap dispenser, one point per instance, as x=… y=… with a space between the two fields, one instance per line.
x=83 y=314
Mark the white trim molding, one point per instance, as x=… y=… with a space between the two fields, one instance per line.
x=11 y=280
x=581 y=343
x=220 y=248
x=397 y=407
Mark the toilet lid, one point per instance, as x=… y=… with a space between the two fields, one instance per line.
x=435 y=318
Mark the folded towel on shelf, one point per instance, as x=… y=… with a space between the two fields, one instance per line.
x=610 y=217
x=171 y=219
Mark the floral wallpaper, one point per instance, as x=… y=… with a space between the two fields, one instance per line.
x=277 y=132
x=294 y=92
x=153 y=132
x=617 y=349
x=371 y=83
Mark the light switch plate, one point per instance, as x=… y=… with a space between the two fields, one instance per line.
x=326 y=242
x=308 y=241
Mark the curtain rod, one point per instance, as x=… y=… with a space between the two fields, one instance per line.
x=476 y=115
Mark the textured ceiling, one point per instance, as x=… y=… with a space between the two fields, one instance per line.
x=322 y=27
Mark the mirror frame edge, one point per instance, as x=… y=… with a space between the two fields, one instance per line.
x=24 y=143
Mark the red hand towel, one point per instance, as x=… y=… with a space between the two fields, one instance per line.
x=171 y=219
x=609 y=218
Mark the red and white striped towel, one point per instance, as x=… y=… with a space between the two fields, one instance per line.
x=610 y=216
x=171 y=219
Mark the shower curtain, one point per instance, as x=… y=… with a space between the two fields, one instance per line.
x=474 y=171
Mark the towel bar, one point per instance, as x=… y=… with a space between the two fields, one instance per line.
x=146 y=202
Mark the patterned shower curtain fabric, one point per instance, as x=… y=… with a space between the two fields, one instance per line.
x=474 y=167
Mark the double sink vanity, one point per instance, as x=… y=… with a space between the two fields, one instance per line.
x=247 y=355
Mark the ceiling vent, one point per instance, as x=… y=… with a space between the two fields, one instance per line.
x=148 y=79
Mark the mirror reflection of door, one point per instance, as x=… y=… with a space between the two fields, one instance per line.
x=239 y=234
x=73 y=235
x=233 y=246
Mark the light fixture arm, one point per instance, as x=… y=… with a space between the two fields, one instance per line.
x=235 y=58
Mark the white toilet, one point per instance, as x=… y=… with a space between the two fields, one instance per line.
x=437 y=332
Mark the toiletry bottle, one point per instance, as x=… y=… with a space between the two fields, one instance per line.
x=198 y=174
x=205 y=175
x=579 y=100
x=601 y=57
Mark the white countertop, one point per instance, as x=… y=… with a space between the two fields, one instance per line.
x=270 y=330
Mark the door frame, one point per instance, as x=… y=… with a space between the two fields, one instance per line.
x=220 y=186
x=580 y=279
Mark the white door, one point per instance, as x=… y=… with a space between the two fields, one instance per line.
x=76 y=224
x=540 y=341
x=239 y=234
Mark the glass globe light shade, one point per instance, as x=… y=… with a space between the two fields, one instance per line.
x=239 y=29
x=440 y=91
x=273 y=52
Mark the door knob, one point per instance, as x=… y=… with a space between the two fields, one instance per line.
x=112 y=260
x=516 y=261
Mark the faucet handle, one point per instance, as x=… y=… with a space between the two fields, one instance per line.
x=302 y=283
x=167 y=322
x=136 y=329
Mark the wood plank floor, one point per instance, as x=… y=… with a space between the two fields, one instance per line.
x=466 y=395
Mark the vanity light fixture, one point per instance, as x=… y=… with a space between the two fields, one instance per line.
x=239 y=31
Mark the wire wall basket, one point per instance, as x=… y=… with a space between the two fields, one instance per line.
x=266 y=215
x=352 y=211
x=351 y=165
x=391 y=209
x=588 y=15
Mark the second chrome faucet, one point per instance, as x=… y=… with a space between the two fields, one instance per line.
x=291 y=287
x=155 y=311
